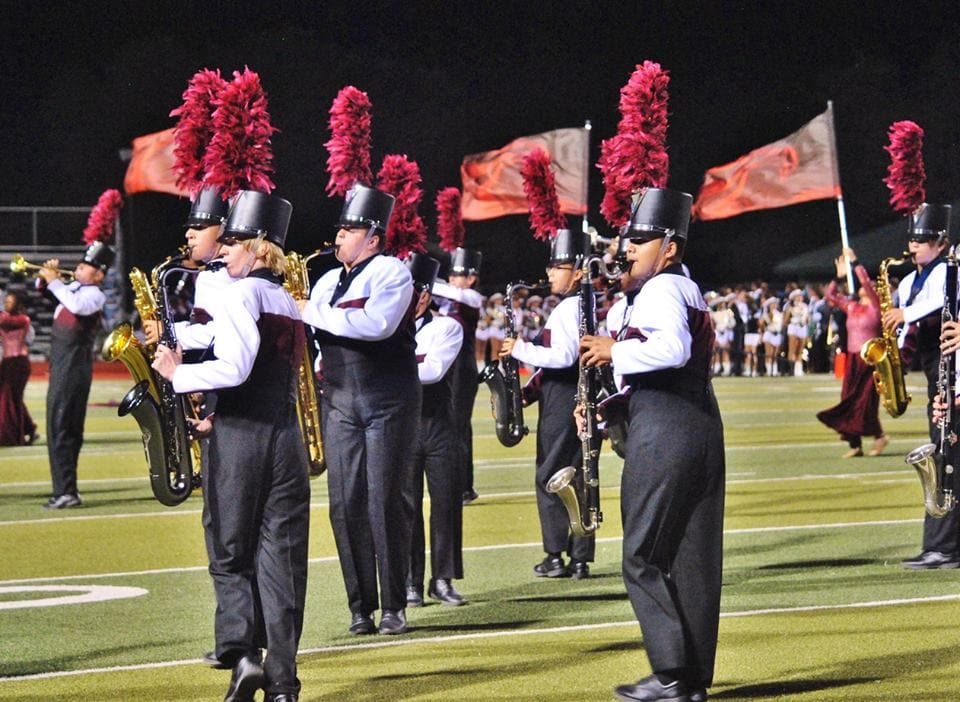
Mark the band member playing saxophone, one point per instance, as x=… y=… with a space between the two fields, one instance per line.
x=672 y=488
x=554 y=351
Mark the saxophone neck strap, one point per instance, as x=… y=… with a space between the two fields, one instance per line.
x=921 y=278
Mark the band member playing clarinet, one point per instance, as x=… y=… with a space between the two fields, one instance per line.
x=672 y=488
x=554 y=351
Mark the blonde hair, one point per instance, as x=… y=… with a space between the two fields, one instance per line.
x=271 y=254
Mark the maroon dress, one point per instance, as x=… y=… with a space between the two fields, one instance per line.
x=16 y=425
x=857 y=414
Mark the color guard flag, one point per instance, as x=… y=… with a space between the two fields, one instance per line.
x=798 y=168
x=151 y=165
x=493 y=186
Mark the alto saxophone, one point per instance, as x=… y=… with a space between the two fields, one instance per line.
x=173 y=459
x=506 y=395
x=297 y=283
x=883 y=352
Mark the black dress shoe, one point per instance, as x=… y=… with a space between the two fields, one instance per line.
x=210 y=658
x=550 y=567
x=246 y=679
x=443 y=591
x=578 y=570
x=414 y=596
x=393 y=621
x=469 y=496
x=699 y=695
x=929 y=560
x=361 y=624
x=281 y=697
x=652 y=688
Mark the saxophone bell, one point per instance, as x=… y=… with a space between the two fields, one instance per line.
x=583 y=520
x=926 y=461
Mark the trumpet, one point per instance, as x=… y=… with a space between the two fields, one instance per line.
x=20 y=266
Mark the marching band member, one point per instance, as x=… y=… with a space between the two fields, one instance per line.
x=439 y=341
x=363 y=314
x=797 y=316
x=256 y=488
x=558 y=445
x=76 y=321
x=459 y=299
x=920 y=303
x=672 y=489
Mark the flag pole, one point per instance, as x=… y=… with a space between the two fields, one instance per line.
x=841 y=213
x=586 y=175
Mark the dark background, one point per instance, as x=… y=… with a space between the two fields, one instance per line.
x=80 y=81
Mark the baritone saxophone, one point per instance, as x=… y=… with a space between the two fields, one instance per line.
x=297 y=283
x=883 y=353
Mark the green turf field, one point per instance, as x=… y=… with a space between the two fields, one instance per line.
x=815 y=604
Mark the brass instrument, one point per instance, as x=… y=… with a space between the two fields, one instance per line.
x=173 y=458
x=506 y=396
x=297 y=283
x=20 y=266
x=579 y=490
x=935 y=464
x=883 y=352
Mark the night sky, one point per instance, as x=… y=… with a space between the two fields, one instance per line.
x=81 y=80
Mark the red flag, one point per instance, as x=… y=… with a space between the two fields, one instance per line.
x=151 y=165
x=493 y=186
x=798 y=168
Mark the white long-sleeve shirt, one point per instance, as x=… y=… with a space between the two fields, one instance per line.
x=81 y=300
x=209 y=291
x=438 y=343
x=560 y=340
x=929 y=298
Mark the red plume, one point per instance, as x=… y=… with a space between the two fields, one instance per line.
x=195 y=128
x=450 y=227
x=906 y=174
x=540 y=185
x=636 y=157
x=349 y=145
x=103 y=217
x=407 y=231
x=239 y=156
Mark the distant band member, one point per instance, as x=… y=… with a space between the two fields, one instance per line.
x=16 y=425
x=363 y=314
x=76 y=321
x=439 y=341
x=555 y=352
x=458 y=299
x=672 y=488
x=256 y=490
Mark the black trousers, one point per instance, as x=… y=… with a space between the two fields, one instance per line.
x=939 y=534
x=671 y=503
x=465 y=386
x=436 y=457
x=71 y=372
x=558 y=446
x=256 y=521
x=367 y=439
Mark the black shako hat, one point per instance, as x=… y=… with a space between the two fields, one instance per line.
x=424 y=270
x=100 y=255
x=568 y=246
x=465 y=262
x=366 y=207
x=929 y=222
x=208 y=209
x=657 y=212
x=254 y=214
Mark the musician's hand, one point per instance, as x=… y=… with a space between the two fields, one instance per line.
x=151 y=330
x=597 y=350
x=580 y=418
x=49 y=270
x=506 y=347
x=950 y=337
x=200 y=428
x=892 y=318
x=166 y=361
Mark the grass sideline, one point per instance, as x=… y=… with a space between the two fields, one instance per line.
x=815 y=605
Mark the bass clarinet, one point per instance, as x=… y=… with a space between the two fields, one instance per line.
x=935 y=464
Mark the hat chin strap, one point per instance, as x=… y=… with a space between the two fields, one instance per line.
x=664 y=243
x=252 y=256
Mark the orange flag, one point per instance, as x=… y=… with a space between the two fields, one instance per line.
x=493 y=186
x=151 y=165
x=798 y=168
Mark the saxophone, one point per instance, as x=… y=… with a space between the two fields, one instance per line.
x=297 y=283
x=173 y=459
x=934 y=465
x=883 y=352
x=506 y=396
